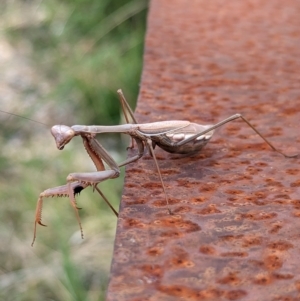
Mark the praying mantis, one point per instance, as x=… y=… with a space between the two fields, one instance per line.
x=173 y=136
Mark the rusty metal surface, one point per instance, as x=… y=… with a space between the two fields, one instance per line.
x=235 y=232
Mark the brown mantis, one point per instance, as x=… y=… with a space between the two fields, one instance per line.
x=175 y=136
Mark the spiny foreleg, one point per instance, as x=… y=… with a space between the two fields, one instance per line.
x=60 y=191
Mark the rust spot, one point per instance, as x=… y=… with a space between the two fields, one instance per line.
x=231 y=279
x=282 y=196
x=186 y=183
x=135 y=170
x=296 y=204
x=275 y=228
x=189 y=226
x=136 y=202
x=162 y=202
x=208 y=250
x=261 y=164
x=198 y=200
x=171 y=234
x=235 y=294
x=189 y=293
x=134 y=223
x=285 y=298
x=280 y=245
x=182 y=209
x=151 y=185
x=295 y=184
x=155 y=251
x=207 y=187
x=133 y=185
x=292 y=171
x=253 y=170
x=258 y=215
x=152 y=270
x=279 y=276
x=272 y=183
x=234 y=254
x=257 y=263
x=296 y=213
x=231 y=238
x=260 y=194
x=181 y=260
x=262 y=279
x=250 y=241
x=211 y=209
x=235 y=192
x=273 y=262
x=297 y=285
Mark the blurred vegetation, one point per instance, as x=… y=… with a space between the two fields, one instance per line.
x=61 y=62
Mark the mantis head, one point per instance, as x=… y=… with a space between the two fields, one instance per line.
x=62 y=134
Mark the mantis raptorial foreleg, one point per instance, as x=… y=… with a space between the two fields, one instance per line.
x=60 y=191
x=97 y=153
x=126 y=109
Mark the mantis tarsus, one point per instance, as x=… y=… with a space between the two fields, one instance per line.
x=174 y=136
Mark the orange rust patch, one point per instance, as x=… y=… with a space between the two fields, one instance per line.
x=182 y=209
x=231 y=279
x=231 y=237
x=171 y=234
x=292 y=171
x=234 y=254
x=189 y=293
x=296 y=204
x=257 y=216
x=198 y=200
x=151 y=185
x=235 y=294
x=296 y=213
x=172 y=222
x=208 y=250
x=163 y=203
x=262 y=279
x=250 y=241
x=280 y=245
x=136 y=202
x=297 y=285
x=273 y=262
x=275 y=228
x=234 y=192
x=134 y=223
x=207 y=187
x=295 y=184
x=186 y=183
x=152 y=270
x=211 y=209
x=155 y=251
x=279 y=276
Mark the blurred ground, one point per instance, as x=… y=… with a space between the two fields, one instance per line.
x=39 y=80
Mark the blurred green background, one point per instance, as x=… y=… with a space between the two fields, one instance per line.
x=61 y=62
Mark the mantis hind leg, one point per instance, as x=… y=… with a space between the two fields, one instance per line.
x=229 y=119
